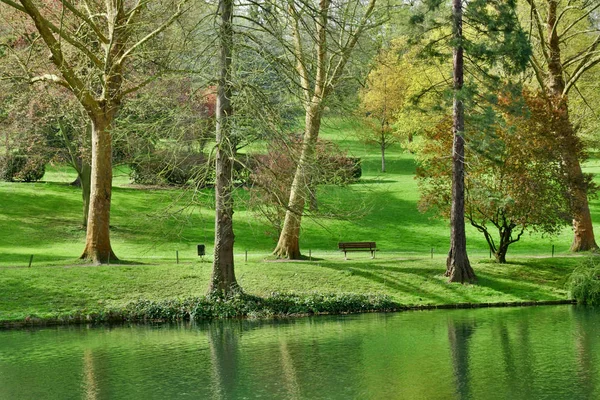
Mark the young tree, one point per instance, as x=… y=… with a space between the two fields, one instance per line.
x=383 y=98
x=93 y=47
x=567 y=39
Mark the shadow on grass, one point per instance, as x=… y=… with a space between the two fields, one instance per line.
x=537 y=281
x=377 y=273
x=370 y=181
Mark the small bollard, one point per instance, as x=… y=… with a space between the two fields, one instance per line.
x=177 y=255
x=246 y=257
x=552 y=250
x=432 y=253
x=309 y=255
x=30 y=261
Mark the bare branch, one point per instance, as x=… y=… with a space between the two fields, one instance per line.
x=165 y=25
x=88 y=21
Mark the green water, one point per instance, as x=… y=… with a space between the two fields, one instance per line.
x=516 y=353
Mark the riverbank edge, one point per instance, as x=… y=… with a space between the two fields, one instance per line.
x=251 y=307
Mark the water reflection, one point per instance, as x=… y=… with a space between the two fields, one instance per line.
x=90 y=389
x=459 y=334
x=530 y=353
x=223 y=342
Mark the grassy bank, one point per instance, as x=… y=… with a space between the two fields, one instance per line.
x=151 y=227
x=53 y=292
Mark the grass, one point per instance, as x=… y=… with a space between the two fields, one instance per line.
x=149 y=227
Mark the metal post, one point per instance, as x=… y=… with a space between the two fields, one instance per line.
x=177 y=255
x=309 y=254
x=552 y=250
x=30 y=260
x=432 y=253
x=246 y=259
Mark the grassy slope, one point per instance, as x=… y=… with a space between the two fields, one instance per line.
x=150 y=225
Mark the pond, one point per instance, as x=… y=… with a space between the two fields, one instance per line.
x=550 y=352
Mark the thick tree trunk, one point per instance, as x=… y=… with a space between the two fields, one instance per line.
x=97 y=243
x=458 y=268
x=222 y=281
x=583 y=230
x=288 y=245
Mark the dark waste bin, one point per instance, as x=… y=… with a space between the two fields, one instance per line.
x=201 y=250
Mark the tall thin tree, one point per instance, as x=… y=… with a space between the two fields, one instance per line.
x=458 y=267
x=223 y=280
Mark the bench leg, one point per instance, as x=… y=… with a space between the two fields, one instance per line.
x=372 y=254
x=345 y=257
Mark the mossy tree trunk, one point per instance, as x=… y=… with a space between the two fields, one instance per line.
x=223 y=281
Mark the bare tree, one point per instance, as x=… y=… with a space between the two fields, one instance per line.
x=318 y=40
x=223 y=280
x=93 y=53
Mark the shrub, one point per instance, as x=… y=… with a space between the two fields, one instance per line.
x=584 y=282
x=33 y=169
x=20 y=167
x=244 y=305
x=163 y=168
x=10 y=165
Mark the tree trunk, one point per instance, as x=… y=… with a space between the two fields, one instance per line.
x=583 y=230
x=222 y=281
x=97 y=243
x=383 y=156
x=458 y=268
x=500 y=255
x=85 y=179
x=288 y=245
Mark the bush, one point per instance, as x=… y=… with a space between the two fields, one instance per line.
x=584 y=282
x=33 y=170
x=244 y=305
x=162 y=168
x=20 y=167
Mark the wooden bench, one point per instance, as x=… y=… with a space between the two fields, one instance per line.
x=357 y=246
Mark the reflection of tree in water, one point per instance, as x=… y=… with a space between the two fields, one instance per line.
x=586 y=347
x=459 y=335
x=223 y=341
x=90 y=388
x=518 y=357
x=289 y=371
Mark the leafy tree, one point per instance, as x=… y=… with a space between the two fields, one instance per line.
x=493 y=43
x=514 y=179
x=398 y=89
x=566 y=37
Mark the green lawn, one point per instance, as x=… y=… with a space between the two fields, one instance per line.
x=150 y=225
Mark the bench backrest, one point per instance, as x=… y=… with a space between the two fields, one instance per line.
x=356 y=245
